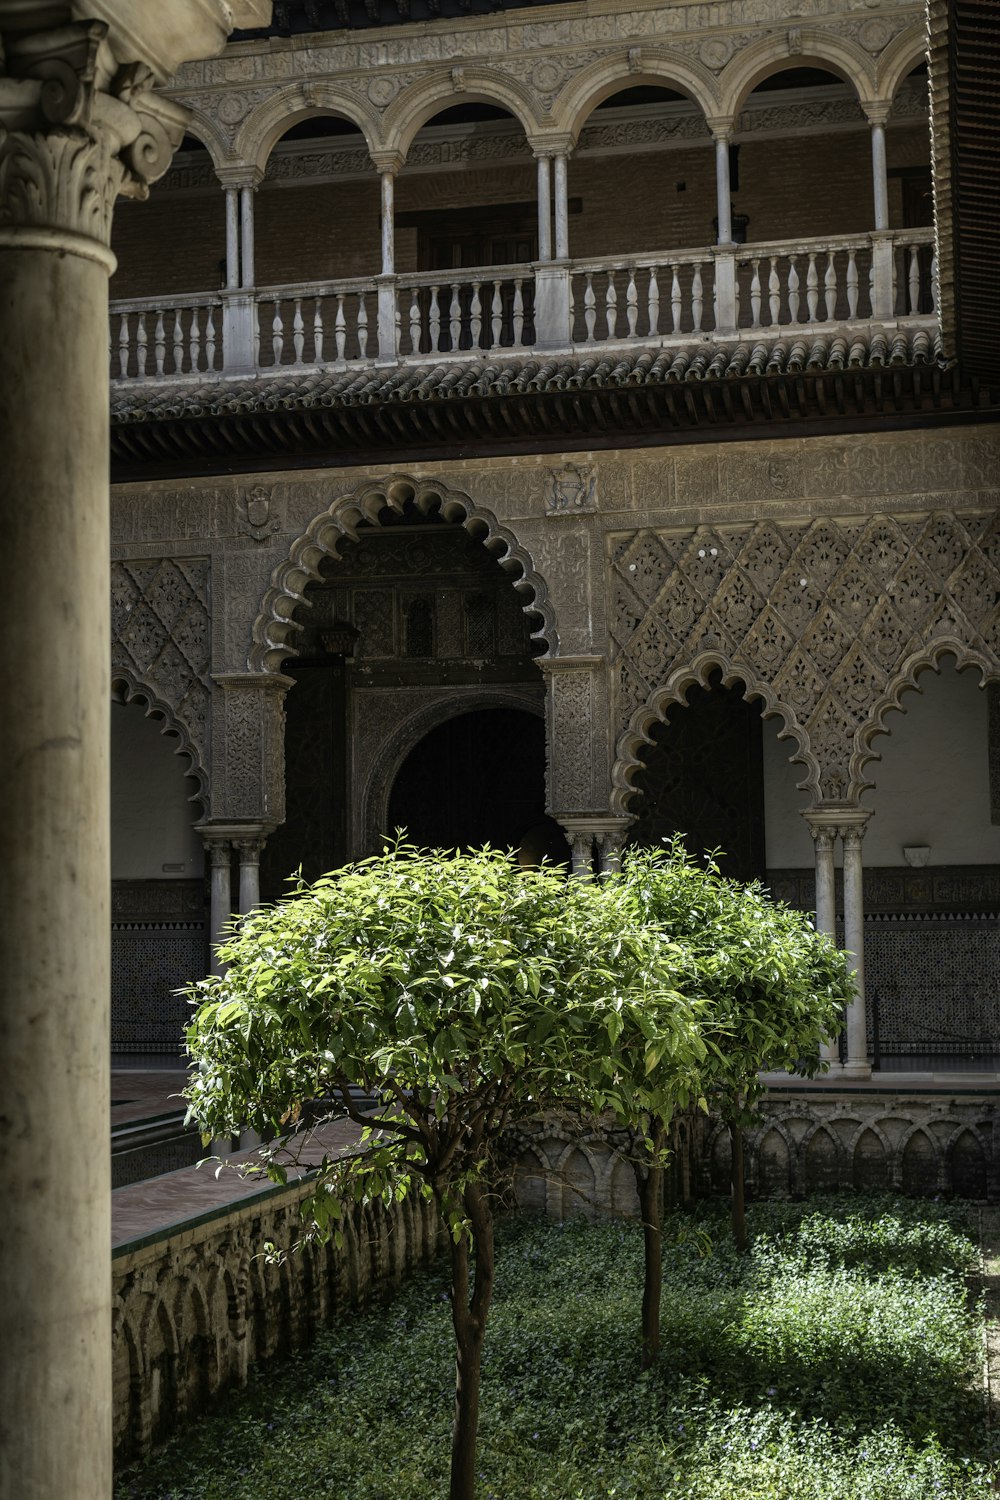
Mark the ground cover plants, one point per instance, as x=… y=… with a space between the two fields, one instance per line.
x=839 y=1359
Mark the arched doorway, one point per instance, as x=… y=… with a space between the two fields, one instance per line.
x=478 y=778
x=414 y=621
x=702 y=777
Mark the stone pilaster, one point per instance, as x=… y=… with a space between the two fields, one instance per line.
x=249 y=749
x=576 y=717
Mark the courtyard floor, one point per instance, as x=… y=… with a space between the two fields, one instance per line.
x=843 y=1359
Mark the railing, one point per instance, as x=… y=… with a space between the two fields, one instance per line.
x=491 y=307
x=653 y=299
x=327 y=324
x=148 y=340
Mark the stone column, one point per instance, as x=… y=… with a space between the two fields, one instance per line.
x=387 y=164
x=248 y=272
x=852 y=832
x=544 y=208
x=609 y=835
x=581 y=843
x=561 y=195
x=80 y=125
x=723 y=200
x=877 y=116
x=249 y=851
x=232 y=237
x=824 y=836
x=219 y=852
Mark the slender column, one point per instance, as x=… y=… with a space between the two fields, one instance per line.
x=858 y=1064
x=880 y=176
x=723 y=199
x=544 y=208
x=232 y=237
x=582 y=846
x=824 y=838
x=249 y=851
x=560 y=164
x=221 y=906
x=247 y=271
x=388 y=225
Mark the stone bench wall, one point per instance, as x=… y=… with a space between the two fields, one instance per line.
x=197 y=1307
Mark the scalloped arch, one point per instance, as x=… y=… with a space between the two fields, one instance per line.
x=274 y=625
x=581 y=96
x=374 y=795
x=899 y=58
x=696 y=674
x=127 y=688
x=428 y=96
x=814 y=48
x=927 y=658
x=268 y=122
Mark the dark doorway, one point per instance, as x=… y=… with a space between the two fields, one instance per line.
x=703 y=777
x=477 y=779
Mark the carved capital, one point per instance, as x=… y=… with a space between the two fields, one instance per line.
x=77 y=128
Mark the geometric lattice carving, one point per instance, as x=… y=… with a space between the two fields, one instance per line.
x=933 y=980
x=160 y=637
x=827 y=622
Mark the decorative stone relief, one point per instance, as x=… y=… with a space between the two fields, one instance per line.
x=160 y=636
x=253 y=786
x=574 y=712
x=258 y=514
x=824 y=620
x=573 y=489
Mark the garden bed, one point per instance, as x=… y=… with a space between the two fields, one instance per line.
x=842 y=1359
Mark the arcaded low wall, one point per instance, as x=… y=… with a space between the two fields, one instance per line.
x=196 y=1307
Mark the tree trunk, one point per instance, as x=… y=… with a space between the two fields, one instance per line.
x=651 y=1203
x=469 y=1314
x=739 y=1216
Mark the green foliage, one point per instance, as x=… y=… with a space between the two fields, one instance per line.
x=771 y=988
x=460 y=991
x=839 y=1360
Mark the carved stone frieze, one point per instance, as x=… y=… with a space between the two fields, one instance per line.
x=828 y=622
x=161 y=638
x=575 y=714
x=253 y=726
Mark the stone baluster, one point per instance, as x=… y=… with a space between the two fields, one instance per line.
x=773 y=291
x=653 y=303
x=476 y=315
x=362 y=327
x=631 y=304
x=340 y=330
x=676 y=300
x=159 y=344
x=697 y=300
x=80 y=127
x=178 y=342
x=852 y=284
x=455 y=317
x=852 y=831
x=496 y=314
x=434 y=321
x=415 y=324
x=793 y=290
x=812 y=288
x=298 y=330
x=277 y=332
x=317 y=330
x=141 y=346
x=914 y=279
x=590 y=307
x=830 y=287
x=210 y=338
x=194 y=340
x=518 y=312
x=755 y=294
x=611 y=305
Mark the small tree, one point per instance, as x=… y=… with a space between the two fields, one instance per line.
x=463 y=995
x=769 y=988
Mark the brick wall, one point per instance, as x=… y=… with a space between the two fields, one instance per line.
x=796 y=186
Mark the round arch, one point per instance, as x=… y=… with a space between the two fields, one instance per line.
x=206 y=129
x=900 y=58
x=127 y=688
x=429 y=96
x=373 y=799
x=610 y=75
x=814 y=48
x=274 y=626
x=675 y=690
x=928 y=657
x=275 y=115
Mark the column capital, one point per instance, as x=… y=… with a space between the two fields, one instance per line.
x=722 y=127
x=240 y=176
x=387 y=160
x=877 y=111
x=551 y=145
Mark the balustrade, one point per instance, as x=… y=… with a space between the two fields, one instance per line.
x=490 y=308
x=674 y=296
x=148 y=340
